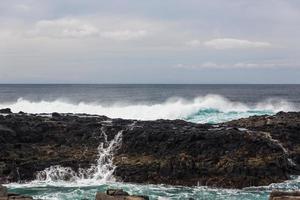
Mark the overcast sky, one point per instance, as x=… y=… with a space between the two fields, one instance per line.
x=139 y=41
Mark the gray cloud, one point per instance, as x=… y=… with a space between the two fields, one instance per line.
x=138 y=41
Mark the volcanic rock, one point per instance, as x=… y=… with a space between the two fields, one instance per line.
x=279 y=195
x=283 y=127
x=4 y=195
x=5 y=111
x=161 y=152
x=117 y=194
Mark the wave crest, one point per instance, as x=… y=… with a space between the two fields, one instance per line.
x=209 y=108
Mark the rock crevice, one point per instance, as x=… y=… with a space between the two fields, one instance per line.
x=241 y=153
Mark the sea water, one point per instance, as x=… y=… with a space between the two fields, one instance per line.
x=195 y=103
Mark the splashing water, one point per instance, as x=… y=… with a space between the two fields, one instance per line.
x=70 y=191
x=62 y=183
x=99 y=173
x=202 y=109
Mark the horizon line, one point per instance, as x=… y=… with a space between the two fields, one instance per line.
x=149 y=83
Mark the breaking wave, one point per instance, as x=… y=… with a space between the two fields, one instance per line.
x=99 y=173
x=203 y=109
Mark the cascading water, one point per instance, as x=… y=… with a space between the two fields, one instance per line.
x=63 y=183
x=100 y=172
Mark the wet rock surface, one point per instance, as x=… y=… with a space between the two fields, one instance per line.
x=282 y=127
x=5 y=111
x=162 y=151
x=279 y=195
x=117 y=194
x=4 y=195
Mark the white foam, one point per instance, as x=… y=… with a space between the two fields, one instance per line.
x=174 y=108
x=99 y=173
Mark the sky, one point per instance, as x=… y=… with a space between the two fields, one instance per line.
x=136 y=41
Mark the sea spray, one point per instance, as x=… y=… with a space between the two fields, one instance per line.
x=100 y=172
x=202 y=109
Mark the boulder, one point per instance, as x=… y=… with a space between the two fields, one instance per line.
x=3 y=191
x=4 y=195
x=5 y=111
x=279 y=195
x=118 y=194
x=55 y=114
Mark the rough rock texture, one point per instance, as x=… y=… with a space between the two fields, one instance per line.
x=178 y=152
x=116 y=194
x=283 y=127
x=4 y=195
x=5 y=111
x=161 y=151
x=278 y=195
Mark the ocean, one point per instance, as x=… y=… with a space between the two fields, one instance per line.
x=194 y=103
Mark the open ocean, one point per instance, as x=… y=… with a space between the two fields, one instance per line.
x=195 y=103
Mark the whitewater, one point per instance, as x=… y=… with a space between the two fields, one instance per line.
x=194 y=103
x=63 y=183
x=202 y=109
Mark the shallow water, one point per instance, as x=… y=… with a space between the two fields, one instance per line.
x=71 y=190
x=195 y=103
x=51 y=183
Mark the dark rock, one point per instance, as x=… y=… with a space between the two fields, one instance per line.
x=162 y=151
x=4 y=195
x=118 y=194
x=3 y=191
x=55 y=114
x=279 y=195
x=283 y=127
x=5 y=111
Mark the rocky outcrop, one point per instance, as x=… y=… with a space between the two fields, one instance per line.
x=4 y=195
x=5 y=111
x=279 y=195
x=178 y=152
x=282 y=127
x=117 y=194
x=162 y=151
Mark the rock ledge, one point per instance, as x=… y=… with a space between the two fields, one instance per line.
x=279 y=195
x=117 y=194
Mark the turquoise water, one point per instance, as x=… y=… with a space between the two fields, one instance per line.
x=76 y=191
x=194 y=103
x=213 y=116
x=85 y=183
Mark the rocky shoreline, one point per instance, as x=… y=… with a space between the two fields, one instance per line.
x=246 y=152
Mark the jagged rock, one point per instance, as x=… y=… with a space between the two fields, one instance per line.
x=283 y=127
x=279 y=195
x=162 y=151
x=3 y=191
x=55 y=114
x=5 y=111
x=4 y=195
x=117 y=194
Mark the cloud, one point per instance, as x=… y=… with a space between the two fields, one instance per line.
x=79 y=28
x=22 y=7
x=64 y=28
x=238 y=65
x=231 y=43
x=193 y=43
x=124 y=34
